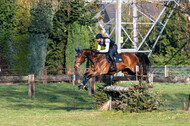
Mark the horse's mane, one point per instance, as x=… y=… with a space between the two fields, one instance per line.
x=95 y=51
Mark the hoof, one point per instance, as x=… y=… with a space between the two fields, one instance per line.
x=86 y=87
x=81 y=86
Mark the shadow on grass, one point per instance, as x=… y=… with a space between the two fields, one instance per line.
x=50 y=107
x=50 y=96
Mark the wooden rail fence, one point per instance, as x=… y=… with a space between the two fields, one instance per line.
x=52 y=78
x=31 y=79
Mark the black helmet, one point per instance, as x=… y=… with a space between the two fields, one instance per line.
x=99 y=36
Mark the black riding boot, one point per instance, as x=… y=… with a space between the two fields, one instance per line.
x=114 y=66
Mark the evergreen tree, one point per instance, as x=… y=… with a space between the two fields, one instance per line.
x=58 y=38
x=173 y=46
x=7 y=17
x=41 y=24
x=20 y=31
x=68 y=13
x=83 y=13
x=78 y=38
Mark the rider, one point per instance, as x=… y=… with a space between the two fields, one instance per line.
x=110 y=47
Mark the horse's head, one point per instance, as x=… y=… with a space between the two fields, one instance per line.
x=80 y=58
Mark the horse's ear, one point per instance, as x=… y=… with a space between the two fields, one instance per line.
x=80 y=50
x=76 y=50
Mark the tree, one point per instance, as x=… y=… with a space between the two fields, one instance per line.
x=7 y=17
x=20 y=30
x=78 y=38
x=173 y=47
x=41 y=24
x=57 y=39
x=68 y=13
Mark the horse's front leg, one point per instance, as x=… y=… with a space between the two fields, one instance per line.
x=85 y=79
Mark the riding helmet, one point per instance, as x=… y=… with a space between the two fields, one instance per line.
x=99 y=36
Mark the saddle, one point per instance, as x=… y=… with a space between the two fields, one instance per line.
x=118 y=58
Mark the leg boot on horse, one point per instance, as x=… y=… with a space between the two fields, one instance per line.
x=83 y=84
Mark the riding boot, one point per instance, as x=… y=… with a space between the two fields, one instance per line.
x=114 y=66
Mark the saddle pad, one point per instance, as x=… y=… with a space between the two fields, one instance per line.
x=118 y=58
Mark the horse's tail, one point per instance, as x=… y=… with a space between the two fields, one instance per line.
x=144 y=62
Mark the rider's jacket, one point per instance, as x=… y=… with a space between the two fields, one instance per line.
x=107 y=43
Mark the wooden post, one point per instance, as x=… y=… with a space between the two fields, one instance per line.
x=188 y=106
x=167 y=73
x=45 y=74
x=74 y=79
x=69 y=72
x=150 y=79
x=110 y=99
x=92 y=86
x=77 y=75
x=106 y=105
x=31 y=88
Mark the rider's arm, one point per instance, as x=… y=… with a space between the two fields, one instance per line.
x=99 y=47
x=107 y=42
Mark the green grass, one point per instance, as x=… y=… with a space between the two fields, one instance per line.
x=175 y=95
x=53 y=106
x=50 y=96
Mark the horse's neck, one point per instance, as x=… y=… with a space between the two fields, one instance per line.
x=88 y=53
x=91 y=55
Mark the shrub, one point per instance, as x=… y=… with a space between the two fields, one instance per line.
x=139 y=98
x=100 y=97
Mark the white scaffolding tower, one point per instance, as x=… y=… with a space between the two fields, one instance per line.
x=135 y=34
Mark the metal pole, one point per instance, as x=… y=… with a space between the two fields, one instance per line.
x=135 y=33
x=161 y=31
x=118 y=25
x=165 y=71
x=152 y=26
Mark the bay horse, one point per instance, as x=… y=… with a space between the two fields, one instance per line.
x=101 y=66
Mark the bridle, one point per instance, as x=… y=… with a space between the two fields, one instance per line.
x=79 y=63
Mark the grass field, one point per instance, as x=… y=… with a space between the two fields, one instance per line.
x=53 y=105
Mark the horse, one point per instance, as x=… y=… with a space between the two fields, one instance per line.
x=101 y=66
